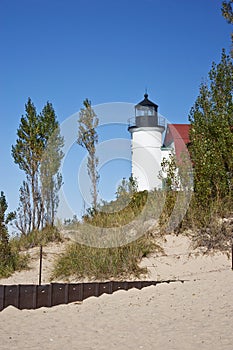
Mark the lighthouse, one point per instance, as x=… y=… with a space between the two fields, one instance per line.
x=146 y=129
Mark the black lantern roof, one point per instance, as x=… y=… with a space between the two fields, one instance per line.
x=146 y=103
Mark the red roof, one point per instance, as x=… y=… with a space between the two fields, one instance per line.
x=179 y=134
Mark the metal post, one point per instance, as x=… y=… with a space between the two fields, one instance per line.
x=232 y=254
x=40 y=269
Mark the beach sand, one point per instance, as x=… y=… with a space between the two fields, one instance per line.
x=196 y=314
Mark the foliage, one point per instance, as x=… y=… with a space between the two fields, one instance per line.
x=51 y=179
x=227 y=13
x=88 y=138
x=71 y=223
x=89 y=261
x=27 y=154
x=127 y=187
x=210 y=228
x=170 y=200
x=10 y=260
x=36 y=238
x=118 y=212
x=104 y=263
x=5 y=252
x=211 y=135
x=169 y=173
x=38 y=153
x=177 y=189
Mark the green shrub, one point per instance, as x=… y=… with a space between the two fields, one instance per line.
x=14 y=261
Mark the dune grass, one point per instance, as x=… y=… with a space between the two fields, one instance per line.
x=211 y=226
x=81 y=261
x=36 y=238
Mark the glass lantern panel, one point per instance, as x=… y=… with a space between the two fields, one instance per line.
x=145 y=111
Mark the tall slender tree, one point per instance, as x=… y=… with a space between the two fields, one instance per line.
x=211 y=134
x=50 y=177
x=38 y=153
x=88 y=138
x=27 y=154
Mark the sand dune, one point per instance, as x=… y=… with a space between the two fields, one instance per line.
x=196 y=314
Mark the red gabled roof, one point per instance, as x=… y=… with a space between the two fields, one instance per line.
x=179 y=134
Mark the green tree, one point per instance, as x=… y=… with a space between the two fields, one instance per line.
x=50 y=177
x=38 y=153
x=88 y=138
x=227 y=13
x=27 y=154
x=211 y=134
x=5 y=250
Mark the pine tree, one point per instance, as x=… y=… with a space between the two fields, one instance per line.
x=88 y=138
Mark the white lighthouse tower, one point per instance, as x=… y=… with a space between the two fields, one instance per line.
x=146 y=129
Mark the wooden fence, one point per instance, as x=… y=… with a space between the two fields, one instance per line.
x=28 y=296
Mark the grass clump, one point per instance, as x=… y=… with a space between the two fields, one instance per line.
x=83 y=261
x=118 y=212
x=37 y=237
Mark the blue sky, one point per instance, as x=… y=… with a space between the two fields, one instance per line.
x=108 y=51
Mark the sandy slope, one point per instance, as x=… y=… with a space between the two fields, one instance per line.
x=196 y=314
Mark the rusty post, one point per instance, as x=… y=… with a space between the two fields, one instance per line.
x=40 y=268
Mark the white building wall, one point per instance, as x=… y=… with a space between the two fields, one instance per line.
x=147 y=157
